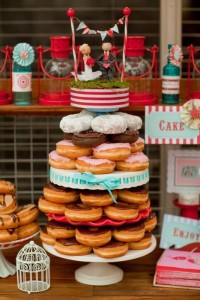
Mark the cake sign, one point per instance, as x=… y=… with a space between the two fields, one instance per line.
x=179 y=231
x=164 y=125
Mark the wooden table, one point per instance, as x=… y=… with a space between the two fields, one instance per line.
x=136 y=285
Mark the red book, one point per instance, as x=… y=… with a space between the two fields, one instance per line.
x=178 y=268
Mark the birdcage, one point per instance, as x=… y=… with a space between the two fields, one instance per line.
x=33 y=268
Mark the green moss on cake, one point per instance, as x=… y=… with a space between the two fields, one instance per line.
x=99 y=84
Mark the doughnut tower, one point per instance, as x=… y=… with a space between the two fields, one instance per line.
x=97 y=199
x=16 y=222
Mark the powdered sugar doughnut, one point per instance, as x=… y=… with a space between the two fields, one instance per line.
x=77 y=122
x=109 y=124
x=134 y=122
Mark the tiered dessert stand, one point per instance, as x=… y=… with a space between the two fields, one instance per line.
x=99 y=271
x=8 y=268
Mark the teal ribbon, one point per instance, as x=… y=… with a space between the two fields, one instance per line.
x=109 y=183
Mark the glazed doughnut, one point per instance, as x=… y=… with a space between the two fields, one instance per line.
x=60 y=162
x=7 y=187
x=112 y=249
x=50 y=207
x=144 y=205
x=59 y=230
x=129 y=232
x=97 y=197
x=45 y=237
x=134 y=122
x=68 y=149
x=71 y=247
x=109 y=124
x=136 y=162
x=144 y=243
x=27 y=214
x=93 y=236
x=59 y=194
x=8 y=204
x=121 y=211
x=8 y=235
x=112 y=151
x=128 y=136
x=150 y=222
x=138 y=194
x=137 y=146
x=77 y=122
x=94 y=165
x=88 y=139
x=80 y=212
x=9 y=221
x=27 y=230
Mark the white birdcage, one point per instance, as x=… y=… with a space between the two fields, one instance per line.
x=33 y=268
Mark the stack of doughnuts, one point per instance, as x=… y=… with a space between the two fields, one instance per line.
x=98 y=144
x=16 y=222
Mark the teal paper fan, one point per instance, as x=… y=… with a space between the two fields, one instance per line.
x=23 y=54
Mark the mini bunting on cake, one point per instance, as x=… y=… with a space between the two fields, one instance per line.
x=103 y=34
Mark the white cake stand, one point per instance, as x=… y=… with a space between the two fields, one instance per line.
x=6 y=268
x=99 y=271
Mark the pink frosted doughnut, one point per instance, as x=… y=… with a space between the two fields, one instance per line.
x=68 y=149
x=60 y=162
x=112 y=151
x=136 y=162
x=95 y=166
x=134 y=122
x=109 y=124
x=138 y=146
x=77 y=122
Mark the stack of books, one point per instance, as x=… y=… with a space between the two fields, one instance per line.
x=178 y=268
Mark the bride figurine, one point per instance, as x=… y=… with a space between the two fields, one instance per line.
x=89 y=62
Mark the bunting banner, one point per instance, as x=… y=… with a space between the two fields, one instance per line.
x=86 y=30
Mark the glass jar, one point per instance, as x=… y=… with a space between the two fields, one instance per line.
x=60 y=66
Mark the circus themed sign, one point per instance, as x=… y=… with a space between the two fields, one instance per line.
x=172 y=124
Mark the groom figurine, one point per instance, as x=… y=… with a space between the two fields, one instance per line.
x=106 y=61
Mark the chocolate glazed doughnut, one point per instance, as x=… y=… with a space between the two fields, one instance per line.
x=80 y=212
x=112 y=249
x=88 y=139
x=71 y=247
x=128 y=136
x=129 y=232
x=93 y=236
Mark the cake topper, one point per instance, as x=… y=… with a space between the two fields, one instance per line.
x=109 y=32
x=89 y=62
x=106 y=61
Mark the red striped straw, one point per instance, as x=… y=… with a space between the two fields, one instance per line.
x=71 y=13
x=126 y=12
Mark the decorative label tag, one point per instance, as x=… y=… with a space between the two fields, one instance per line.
x=183 y=174
x=179 y=231
x=163 y=125
x=21 y=82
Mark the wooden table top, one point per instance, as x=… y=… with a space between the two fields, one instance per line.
x=137 y=283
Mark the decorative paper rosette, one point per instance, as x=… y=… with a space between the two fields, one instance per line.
x=23 y=54
x=176 y=55
x=190 y=114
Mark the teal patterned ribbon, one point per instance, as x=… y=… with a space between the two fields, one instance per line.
x=109 y=183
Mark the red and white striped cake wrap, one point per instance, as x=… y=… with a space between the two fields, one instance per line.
x=100 y=99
